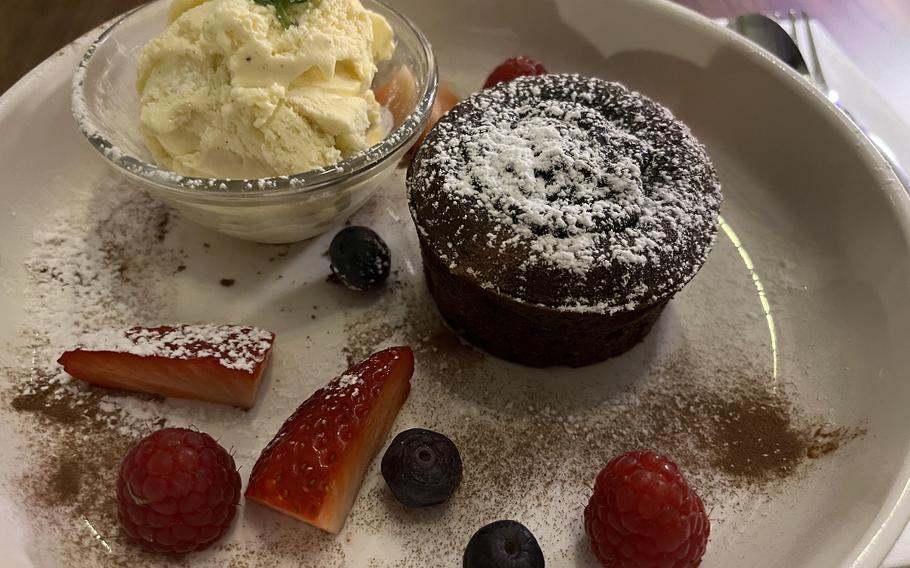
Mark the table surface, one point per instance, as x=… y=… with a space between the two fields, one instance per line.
x=874 y=33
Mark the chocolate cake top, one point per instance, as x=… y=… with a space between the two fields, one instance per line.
x=568 y=192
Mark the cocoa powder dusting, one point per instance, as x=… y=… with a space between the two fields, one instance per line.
x=100 y=263
x=828 y=439
x=65 y=482
x=73 y=454
x=755 y=437
x=533 y=443
x=748 y=431
x=51 y=410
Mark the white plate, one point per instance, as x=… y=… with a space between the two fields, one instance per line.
x=804 y=296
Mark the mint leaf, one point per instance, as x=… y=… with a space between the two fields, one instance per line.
x=281 y=9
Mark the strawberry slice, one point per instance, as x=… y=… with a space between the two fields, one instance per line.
x=399 y=95
x=313 y=469
x=446 y=99
x=217 y=363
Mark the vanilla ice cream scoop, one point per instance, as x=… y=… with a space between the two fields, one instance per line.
x=227 y=92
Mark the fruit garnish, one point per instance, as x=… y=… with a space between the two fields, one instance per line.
x=399 y=96
x=360 y=258
x=503 y=544
x=313 y=469
x=446 y=99
x=514 y=68
x=178 y=491
x=217 y=363
x=643 y=513
x=422 y=468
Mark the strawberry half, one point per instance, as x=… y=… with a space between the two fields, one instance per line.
x=217 y=363
x=313 y=469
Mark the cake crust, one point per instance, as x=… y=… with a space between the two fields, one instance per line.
x=559 y=196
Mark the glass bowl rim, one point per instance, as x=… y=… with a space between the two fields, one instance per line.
x=305 y=183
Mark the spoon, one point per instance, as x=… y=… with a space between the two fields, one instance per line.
x=768 y=33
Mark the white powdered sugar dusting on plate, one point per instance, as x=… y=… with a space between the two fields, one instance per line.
x=103 y=264
x=98 y=266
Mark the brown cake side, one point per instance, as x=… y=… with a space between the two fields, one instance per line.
x=532 y=335
x=558 y=214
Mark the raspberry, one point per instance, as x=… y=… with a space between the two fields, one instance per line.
x=178 y=491
x=514 y=68
x=643 y=513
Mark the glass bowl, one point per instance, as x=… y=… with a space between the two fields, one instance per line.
x=270 y=210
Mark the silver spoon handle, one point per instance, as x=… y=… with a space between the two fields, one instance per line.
x=818 y=78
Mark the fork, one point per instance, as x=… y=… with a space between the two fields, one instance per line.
x=817 y=76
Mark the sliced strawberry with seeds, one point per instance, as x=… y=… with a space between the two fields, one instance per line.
x=313 y=469
x=399 y=95
x=446 y=99
x=218 y=363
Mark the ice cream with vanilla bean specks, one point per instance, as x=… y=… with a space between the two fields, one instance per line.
x=229 y=91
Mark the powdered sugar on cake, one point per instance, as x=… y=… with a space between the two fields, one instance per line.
x=576 y=180
x=536 y=170
x=241 y=348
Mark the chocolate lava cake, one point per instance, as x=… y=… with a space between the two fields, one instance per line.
x=557 y=216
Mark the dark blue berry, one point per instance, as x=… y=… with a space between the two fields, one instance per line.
x=422 y=468
x=360 y=258
x=503 y=544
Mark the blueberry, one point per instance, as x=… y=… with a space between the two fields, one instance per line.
x=503 y=544
x=422 y=468
x=360 y=258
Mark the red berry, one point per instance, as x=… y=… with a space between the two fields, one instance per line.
x=178 y=491
x=514 y=68
x=643 y=513
x=314 y=466
x=217 y=363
